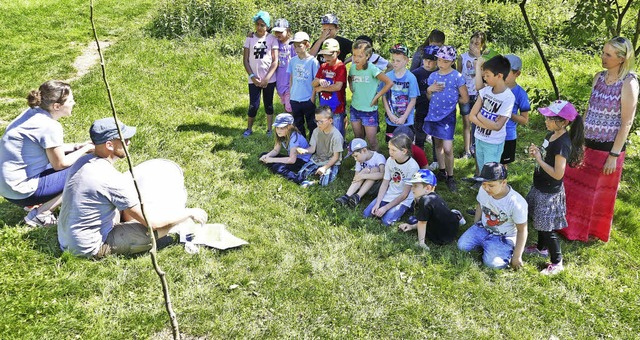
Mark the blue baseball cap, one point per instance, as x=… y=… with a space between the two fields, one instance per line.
x=105 y=129
x=430 y=52
x=283 y=120
x=423 y=176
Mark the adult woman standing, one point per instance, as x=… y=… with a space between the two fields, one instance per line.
x=33 y=156
x=592 y=188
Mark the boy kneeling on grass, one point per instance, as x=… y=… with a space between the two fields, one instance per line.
x=442 y=226
x=369 y=173
x=500 y=228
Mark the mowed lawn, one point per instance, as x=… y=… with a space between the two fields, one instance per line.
x=313 y=269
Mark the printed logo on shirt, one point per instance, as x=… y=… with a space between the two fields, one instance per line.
x=284 y=56
x=301 y=73
x=329 y=74
x=330 y=98
x=361 y=79
x=260 y=49
x=494 y=220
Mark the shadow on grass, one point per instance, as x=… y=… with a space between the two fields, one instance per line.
x=43 y=240
x=11 y=214
x=206 y=127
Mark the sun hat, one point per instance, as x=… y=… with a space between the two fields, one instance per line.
x=429 y=52
x=402 y=130
x=355 y=145
x=423 y=176
x=492 y=171
x=283 y=120
x=447 y=53
x=329 y=18
x=515 y=61
x=300 y=37
x=560 y=108
x=329 y=46
x=280 y=25
x=264 y=16
x=105 y=129
x=399 y=49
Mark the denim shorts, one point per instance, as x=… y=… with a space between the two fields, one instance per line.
x=367 y=118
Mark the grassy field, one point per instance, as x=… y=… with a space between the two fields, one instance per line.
x=312 y=269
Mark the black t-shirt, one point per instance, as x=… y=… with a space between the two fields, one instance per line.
x=345 y=49
x=442 y=223
x=561 y=146
x=422 y=102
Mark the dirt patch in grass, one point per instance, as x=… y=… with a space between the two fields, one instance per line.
x=87 y=59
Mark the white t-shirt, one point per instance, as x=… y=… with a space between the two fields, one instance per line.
x=501 y=216
x=493 y=106
x=396 y=174
x=376 y=160
x=260 y=55
x=23 y=153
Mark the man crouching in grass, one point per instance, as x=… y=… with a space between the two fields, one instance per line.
x=500 y=228
x=96 y=192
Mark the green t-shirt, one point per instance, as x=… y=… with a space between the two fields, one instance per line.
x=365 y=86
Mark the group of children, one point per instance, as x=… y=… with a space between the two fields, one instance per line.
x=420 y=102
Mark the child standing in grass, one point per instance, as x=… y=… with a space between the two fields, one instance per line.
x=330 y=83
x=500 y=223
x=394 y=196
x=325 y=145
x=364 y=79
x=446 y=89
x=285 y=52
x=435 y=220
x=401 y=99
x=369 y=172
x=260 y=59
x=467 y=67
x=492 y=110
x=422 y=73
x=290 y=139
x=546 y=199
x=302 y=69
x=520 y=112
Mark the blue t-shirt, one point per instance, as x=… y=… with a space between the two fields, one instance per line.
x=522 y=105
x=297 y=140
x=400 y=95
x=302 y=74
x=444 y=103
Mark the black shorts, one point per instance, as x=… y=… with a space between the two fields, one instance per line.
x=509 y=152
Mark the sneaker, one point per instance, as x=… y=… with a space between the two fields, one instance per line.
x=466 y=155
x=552 y=269
x=344 y=199
x=461 y=219
x=471 y=212
x=247 y=133
x=354 y=200
x=429 y=139
x=533 y=250
x=268 y=133
x=34 y=219
x=306 y=184
x=451 y=184
x=441 y=175
x=433 y=166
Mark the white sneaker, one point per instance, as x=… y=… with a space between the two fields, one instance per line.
x=461 y=220
x=434 y=166
x=552 y=269
x=34 y=219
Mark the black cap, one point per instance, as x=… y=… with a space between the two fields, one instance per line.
x=492 y=171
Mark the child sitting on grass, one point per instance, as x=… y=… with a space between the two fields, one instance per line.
x=500 y=223
x=394 y=196
x=369 y=172
x=442 y=226
x=288 y=138
x=326 y=148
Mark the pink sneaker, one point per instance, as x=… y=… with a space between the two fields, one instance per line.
x=533 y=250
x=552 y=269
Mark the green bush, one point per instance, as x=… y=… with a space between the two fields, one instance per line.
x=179 y=18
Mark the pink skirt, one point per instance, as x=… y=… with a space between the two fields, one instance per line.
x=591 y=196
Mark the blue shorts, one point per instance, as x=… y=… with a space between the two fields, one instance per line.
x=486 y=152
x=367 y=118
x=442 y=129
x=465 y=109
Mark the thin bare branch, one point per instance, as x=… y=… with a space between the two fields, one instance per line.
x=154 y=248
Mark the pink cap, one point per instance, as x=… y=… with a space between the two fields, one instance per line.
x=560 y=108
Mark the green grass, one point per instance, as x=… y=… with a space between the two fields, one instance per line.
x=312 y=269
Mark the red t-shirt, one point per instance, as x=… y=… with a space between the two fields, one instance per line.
x=419 y=156
x=336 y=73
